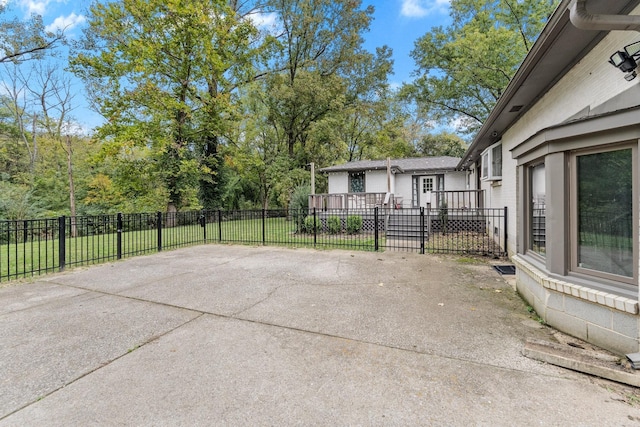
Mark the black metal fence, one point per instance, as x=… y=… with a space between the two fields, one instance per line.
x=39 y=246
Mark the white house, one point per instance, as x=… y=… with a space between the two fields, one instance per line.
x=560 y=150
x=401 y=183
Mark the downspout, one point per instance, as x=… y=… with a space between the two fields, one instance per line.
x=584 y=20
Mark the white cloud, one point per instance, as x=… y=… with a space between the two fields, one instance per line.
x=38 y=7
x=422 y=8
x=65 y=23
x=34 y=7
x=264 y=20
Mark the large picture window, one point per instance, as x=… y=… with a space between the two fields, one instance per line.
x=603 y=207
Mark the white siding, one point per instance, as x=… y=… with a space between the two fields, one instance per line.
x=338 y=182
x=376 y=181
x=455 y=181
x=404 y=189
x=590 y=83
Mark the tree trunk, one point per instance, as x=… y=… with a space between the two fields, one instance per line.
x=171 y=219
x=34 y=150
x=210 y=182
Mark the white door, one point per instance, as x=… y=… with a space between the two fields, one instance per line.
x=427 y=185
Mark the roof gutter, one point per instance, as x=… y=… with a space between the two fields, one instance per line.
x=584 y=20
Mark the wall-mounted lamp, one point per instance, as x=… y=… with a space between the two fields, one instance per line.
x=625 y=60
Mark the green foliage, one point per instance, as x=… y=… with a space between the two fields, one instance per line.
x=354 y=224
x=17 y=202
x=442 y=144
x=300 y=197
x=299 y=207
x=310 y=224
x=334 y=224
x=163 y=73
x=25 y=40
x=318 y=53
x=461 y=73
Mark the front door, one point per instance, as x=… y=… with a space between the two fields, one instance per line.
x=425 y=187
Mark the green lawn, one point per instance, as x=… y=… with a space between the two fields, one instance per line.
x=21 y=259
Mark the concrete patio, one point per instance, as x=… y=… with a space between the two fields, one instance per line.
x=237 y=335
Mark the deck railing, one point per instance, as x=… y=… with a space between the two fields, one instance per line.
x=458 y=199
x=462 y=199
x=351 y=201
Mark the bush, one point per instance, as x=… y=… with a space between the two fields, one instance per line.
x=299 y=207
x=354 y=224
x=334 y=224
x=309 y=226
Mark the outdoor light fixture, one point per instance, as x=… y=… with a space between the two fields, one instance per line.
x=626 y=60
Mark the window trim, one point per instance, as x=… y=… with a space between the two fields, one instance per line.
x=487 y=172
x=528 y=206
x=572 y=264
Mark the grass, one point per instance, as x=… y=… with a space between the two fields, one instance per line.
x=24 y=259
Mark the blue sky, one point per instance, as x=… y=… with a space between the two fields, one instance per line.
x=397 y=24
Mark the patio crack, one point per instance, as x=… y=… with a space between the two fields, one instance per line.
x=235 y=315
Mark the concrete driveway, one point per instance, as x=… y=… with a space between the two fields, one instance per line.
x=236 y=335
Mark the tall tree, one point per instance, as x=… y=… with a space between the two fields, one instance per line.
x=24 y=40
x=40 y=98
x=462 y=69
x=442 y=144
x=164 y=74
x=368 y=104
x=320 y=41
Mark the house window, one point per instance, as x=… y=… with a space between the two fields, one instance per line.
x=427 y=185
x=603 y=194
x=356 y=182
x=492 y=163
x=537 y=209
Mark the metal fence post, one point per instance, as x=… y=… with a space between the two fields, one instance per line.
x=422 y=230
x=62 y=248
x=315 y=228
x=505 y=230
x=375 y=227
x=219 y=225
x=119 y=225
x=203 y=224
x=159 y=225
x=264 y=237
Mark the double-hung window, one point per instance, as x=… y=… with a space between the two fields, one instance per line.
x=492 y=163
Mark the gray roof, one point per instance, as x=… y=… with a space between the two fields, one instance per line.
x=558 y=48
x=444 y=163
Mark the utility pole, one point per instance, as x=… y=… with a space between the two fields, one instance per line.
x=313 y=178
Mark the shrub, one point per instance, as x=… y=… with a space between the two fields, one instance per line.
x=334 y=224
x=309 y=226
x=299 y=207
x=354 y=224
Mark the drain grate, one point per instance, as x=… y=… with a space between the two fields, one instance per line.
x=505 y=269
